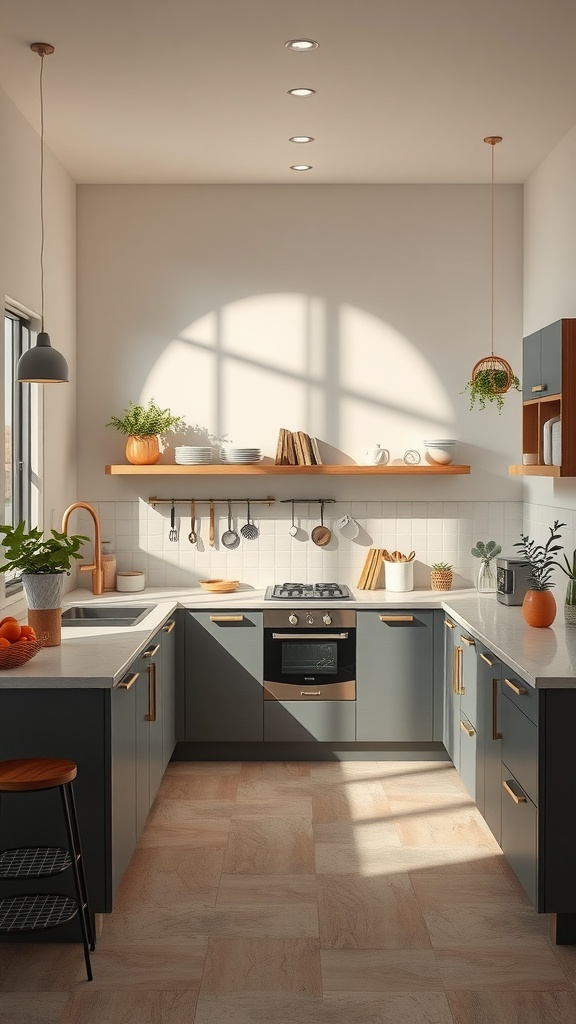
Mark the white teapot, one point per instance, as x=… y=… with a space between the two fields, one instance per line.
x=377 y=455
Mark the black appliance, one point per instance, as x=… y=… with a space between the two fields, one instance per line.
x=310 y=654
x=309 y=592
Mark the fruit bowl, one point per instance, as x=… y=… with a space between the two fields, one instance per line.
x=19 y=653
x=219 y=586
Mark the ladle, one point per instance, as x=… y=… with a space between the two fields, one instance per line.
x=192 y=537
x=293 y=529
x=230 y=538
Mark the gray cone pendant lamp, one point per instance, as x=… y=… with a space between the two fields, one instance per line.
x=42 y=364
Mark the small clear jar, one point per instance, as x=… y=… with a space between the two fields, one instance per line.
x=486 y=582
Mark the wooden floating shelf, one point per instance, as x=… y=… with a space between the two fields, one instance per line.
x=535 y=471
x=272 y=470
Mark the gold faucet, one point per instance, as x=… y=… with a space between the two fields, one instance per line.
x=96 y=569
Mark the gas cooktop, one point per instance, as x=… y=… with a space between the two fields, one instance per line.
x=309 y=592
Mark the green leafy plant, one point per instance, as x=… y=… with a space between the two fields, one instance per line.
x=539 y=558
x=441 y=567
x=490 y=386
x=33 y=553
x=145 y=421
x=486 y=551
x=570 y=570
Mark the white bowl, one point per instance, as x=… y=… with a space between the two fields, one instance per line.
x=440 y=456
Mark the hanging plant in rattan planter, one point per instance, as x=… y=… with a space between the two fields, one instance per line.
x=492 y=376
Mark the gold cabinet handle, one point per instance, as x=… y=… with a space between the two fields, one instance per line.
x=487 y=660
x=125 y=684
x=461 y=688
x=468 y=641
x=454 y=671
x=466 y=729
x=396 y=618
x=151 y=716
x=451 y=625
x=495 y=734
x=151 y=651
x=169 y=626
x=539 y=387
x=226 y=618
x=520 y=690
x=518 y=798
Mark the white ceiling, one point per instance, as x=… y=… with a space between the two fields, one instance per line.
x=189 y=91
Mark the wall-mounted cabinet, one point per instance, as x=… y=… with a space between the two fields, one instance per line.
x=549 y=389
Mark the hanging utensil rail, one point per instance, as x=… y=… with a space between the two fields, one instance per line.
x=215 y=501
x=307 y=501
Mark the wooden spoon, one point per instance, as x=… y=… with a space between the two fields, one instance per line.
x=211 y=530
x=192 y=537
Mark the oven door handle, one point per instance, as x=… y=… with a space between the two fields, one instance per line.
x=309 y=636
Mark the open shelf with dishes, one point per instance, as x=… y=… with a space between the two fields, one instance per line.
x=263 y=469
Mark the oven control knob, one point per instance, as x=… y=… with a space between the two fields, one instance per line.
x=327 y=619
x=293 y=619
x=309 y=619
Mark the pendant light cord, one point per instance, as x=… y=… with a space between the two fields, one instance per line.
x=41 y=191
x=493 y=147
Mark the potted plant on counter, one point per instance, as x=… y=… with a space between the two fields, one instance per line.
x=42 y=562
x=143 y=426
x=441 y=576
x=539 y=606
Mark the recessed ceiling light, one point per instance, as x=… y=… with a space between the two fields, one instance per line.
x=301 y=167
x=302 y=45
x=301 y=138
x=301 y=92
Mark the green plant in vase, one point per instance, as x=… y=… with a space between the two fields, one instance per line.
x=143 y=424
x=490 y=385
x=486 y=582
x=570 y=599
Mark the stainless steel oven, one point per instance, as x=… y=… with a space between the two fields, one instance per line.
x=310 y=654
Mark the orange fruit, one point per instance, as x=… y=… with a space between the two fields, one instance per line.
x=27 y=631
x=7 y=618
x=4 y=642
x=10 y=631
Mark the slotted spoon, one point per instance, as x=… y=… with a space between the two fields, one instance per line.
x=249 y=531
x=230 y=538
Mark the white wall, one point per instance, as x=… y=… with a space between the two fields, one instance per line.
x=20 y=281
x=353 y=312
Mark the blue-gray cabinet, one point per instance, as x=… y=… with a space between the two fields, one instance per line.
x=489 y=774
x=452 y=689
x=296 y=721
x=395 y=675
x=542 y=362
x=167 y=669
x=224 y=676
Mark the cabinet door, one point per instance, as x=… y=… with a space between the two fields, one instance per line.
x=452 y=666
x=123 y=772
x=532 y=382
x=224 y=676
x=142 y=766
x=519 y=826
x=394 y=676
x=489 y=792
x=468 y=681
x=468 y=755
x=321 y=721
x=153 y=715
x=551 y=358
x=168 y=687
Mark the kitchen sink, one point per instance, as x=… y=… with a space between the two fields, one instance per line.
x=102 y=615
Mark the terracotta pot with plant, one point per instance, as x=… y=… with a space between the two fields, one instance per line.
x=143 y=426
x=42 y=562
x=441 y=576
x=539 y=606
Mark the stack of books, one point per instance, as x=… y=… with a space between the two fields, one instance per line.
x=295 y=448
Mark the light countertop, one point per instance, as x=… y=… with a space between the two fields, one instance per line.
x=98 y=656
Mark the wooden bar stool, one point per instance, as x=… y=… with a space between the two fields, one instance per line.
x=35 y=911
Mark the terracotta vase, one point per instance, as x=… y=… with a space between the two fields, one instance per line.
x=539 y=608
x=142 y=451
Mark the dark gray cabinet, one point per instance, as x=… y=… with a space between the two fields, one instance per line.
x=300 y=722
x=224 y=676
x=489 y=781
x=452 y=672
x=395 y=675
x=542 y=362
x=167 y=670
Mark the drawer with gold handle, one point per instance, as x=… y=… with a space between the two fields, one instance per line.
x=514 y=790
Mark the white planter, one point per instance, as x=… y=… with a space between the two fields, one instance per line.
x=43 y=590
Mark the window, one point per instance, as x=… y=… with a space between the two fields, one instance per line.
x=22 y=420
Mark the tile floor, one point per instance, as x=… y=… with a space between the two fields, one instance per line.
x=278 y=893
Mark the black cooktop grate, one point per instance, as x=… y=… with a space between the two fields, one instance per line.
x=309 y=592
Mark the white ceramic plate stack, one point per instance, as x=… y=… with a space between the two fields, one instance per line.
x=240 y=456
x=190 y=455
x=440 y=450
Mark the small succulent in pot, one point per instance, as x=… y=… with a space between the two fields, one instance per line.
x=441 y=576
x=539 y=606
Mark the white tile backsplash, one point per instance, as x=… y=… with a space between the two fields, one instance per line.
x=437 y=531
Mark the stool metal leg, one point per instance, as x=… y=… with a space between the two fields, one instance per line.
x=68 y=805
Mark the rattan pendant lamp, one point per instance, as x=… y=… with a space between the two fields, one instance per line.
x=493 y=369
x=42 y=364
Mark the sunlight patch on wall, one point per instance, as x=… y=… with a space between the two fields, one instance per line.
x=184 y=379
x=257 y=401
x=281 y=331
x=203 y=330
